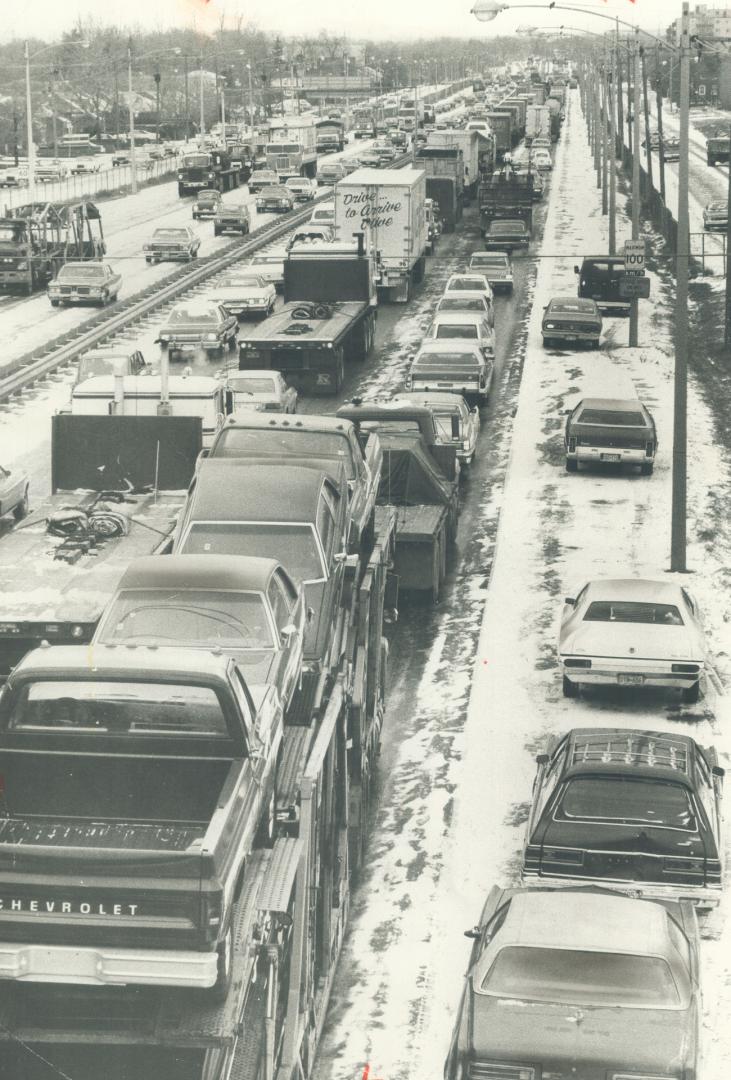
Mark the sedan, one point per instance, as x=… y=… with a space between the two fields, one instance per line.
x=207 y=204
x=244 y=294
x=469 y=285
x=302 y=187
x=461 y=325
x=715 y=216
x=85 y=283
x=172 y=244
x=670 y=149
x=456 y=423
x=248 y=608
x=350 y=164
x=615 y=430
x=110 y=362
x=330 y=173
x=232 y=218
x=632 y=632
x=623 y=807
x=542 y=161
x=370 y=159
x=13 y=493
x=275 y=199
x=504 y=234
x=476 y=303
x=569 y=318
x=269 y=265
x=263 y=391
x=579 y=983
x=461 y=367
x=194 y=324
x=262 y=178
x=496 y=267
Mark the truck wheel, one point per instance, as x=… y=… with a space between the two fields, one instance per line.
x=54 y=303
x=224 y=974
x=21 y=509
x=646 y=468
x=690 y=695
x=572 y=465
x=570 y=689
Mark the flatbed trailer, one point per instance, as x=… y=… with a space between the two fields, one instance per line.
x=291 y=918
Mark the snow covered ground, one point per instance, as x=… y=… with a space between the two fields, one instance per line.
x=556 y=531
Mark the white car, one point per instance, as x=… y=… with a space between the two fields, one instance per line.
x=263 y=391
x=244 y=294
x=324 y=214
x=464 y=325
x=469 y=285
x=464 y=302
x=496 y=267
x=270 y=266
x=302 y=187
x=459 y=366
x=632 y=632
x=542 y=160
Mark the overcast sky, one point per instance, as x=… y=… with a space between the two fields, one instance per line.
x=376 y=18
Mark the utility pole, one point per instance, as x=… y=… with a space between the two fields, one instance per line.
x=116 y=105
x=251 y=103
x=613 y=158
x=605 y=140
x=648 y=148
x=156 y=77
x=727 y=322
x=187 y=98
x=29 y=129
x=634 y=304
x=597 y=134
x=132 y=150
x=620 y=103
x=658 y=100
x=223 y=110
x=53 y=113
x=202 y=127
x=680 y=403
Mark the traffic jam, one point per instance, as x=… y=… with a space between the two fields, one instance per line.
x=353 y=720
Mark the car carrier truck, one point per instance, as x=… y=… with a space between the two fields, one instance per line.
x=38 y=238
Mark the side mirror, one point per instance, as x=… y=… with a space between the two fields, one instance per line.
x=542 y=759
x=717 y=770
x=228 y=398
x=288 y=631
x=569 y=601
x=576 y=270
x=473 y=933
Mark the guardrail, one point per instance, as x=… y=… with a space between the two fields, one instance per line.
x=111 y=179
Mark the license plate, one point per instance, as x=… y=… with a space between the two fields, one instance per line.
x=630 y=680
x=569 y=337
x=444 y=384
x=611 y=457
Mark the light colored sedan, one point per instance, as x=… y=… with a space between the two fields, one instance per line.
x=269 y=265
x=263 y=391
x=715 y=216
x=461 y=325
x=13 y=493
x=457 y=424
x=469 y=284
x=632 y=632
x=244 y=294
x=542 y=161
x=496 y=267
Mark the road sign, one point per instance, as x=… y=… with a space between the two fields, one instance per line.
x=634 y=287
x=634 y=256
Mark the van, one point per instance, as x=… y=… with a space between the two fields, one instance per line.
x=599 y=279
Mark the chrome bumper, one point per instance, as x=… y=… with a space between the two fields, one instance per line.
x=107 y=967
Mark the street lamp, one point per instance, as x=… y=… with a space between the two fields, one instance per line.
x=82 y=44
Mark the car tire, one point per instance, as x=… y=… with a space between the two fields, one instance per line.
x=572 y=465
x=224 y=966
x=570 y=689
x=216 y=232
x=595 y=343
x=54 y=303
x=646 y=468
x=21 y=509
x=691 y=694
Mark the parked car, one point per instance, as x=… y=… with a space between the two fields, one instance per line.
x=243 y=294
x=269 y=265
x=85 y=166
x=262 y=178
x=627 y=808
x=504 y=234
x=579 y=979
x=614 y=430
x=330 y=172
x=600 y=278
x=263 y=391
x=198 y=324
x=715 y=216
x=464 y=325
x=568 y=318
x=302 y=187
x=85 y=283
x=248 y=608
x=275 y=199
x=495 y=266
x=14 y=486
x=232 y=217
x=458 y=365
x=121 y=157
x=172 y=244
x=110 y=362
x=632 y=632
x=456 y=423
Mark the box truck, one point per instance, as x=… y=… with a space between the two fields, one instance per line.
x=537 y=123
x=387 y=205
x=474 y=145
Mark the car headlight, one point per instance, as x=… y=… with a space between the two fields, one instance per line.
x=164 y=337
x=211 y=337
x=549 y=326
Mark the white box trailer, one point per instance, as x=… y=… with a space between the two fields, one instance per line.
x=471 y=143
x=537 y=123
x=388 y=207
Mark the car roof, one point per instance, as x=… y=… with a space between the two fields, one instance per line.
x=249 y=495
x=647 y=754
x=101 y=661
x=645 y=590
x=456 y=345
x=431 y=398
x=240 y=572
x=458 y=318
x=581 y=300
x=302 y=422
x=464 y=274
x=616 y=404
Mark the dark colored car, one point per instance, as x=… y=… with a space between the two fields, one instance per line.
x=506 y=234
x=566 y=318
x=85 y=283
x=108 y=362
x=670 y=148
x=610 y=431
x=232 y=218
x=207 y=203
x=639 y=809
x=172 y=244
x=582 y=983
x=275 y=199
x=599 y=280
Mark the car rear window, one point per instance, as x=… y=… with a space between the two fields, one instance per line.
x=574 y=977
x=461 y=303
x=458 y=330
x=632 y=612
x=464 y=283
x=611 y=418
x=626 y=801
x=583 y=306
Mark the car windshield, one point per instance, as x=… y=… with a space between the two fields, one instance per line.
x=629 y=611
x=284 y=442
x=196 y=161
x=170 y=234
x=293 y=545
x=505 y=226
x=611 y=418
x=461 y=303
x=466 y=283
x=718 y=208
x=574 y=977
x=193 y=315
x=188 y=617
x=82 y=273
x=116 y=707
x=242 y=283
x=456 y=330
x=208 y=196
x=264 y=177
x=626 y=800
x=276 y=191
x=243 y=385
x=585 y=307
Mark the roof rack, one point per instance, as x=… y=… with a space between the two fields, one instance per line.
x=631 y=748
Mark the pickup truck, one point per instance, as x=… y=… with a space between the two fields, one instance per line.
x=324 y=439
x=136 y=783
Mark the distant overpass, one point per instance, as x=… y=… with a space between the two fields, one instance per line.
x=327 y=85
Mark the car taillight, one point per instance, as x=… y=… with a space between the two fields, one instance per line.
x=685 y=669
x=572 y=443
x=650 y=449
x=576 y=662
x=569 y=856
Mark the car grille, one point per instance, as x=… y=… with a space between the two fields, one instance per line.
x=577 y=328
x=612 y=442
x=82 y=290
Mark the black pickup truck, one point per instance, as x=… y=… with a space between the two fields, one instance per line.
x=136 y=782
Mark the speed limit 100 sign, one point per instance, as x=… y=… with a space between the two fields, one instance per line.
x=634 y=256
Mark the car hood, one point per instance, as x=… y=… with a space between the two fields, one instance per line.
x=632 y=640
x=637 y=1040
x=572 y=316
x=258 y=665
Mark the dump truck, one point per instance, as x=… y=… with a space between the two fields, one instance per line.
x=211 y=169
x=506 y=195
x=330 y=135
x=387 y=205
x=443 y=161
x=38 y=238
x=328 y=318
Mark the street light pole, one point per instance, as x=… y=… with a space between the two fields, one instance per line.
x=251 y=102
x=613 y=158
x=132 y=149
x=680 y=403
x=605 y=140
x=634 y=304
x=29 y=128
x=646 y=103
x=202 y=129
